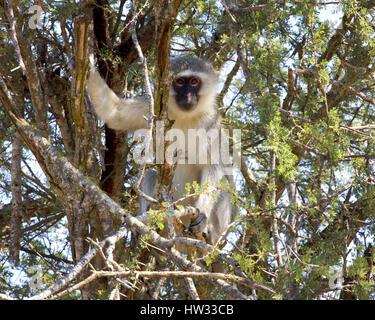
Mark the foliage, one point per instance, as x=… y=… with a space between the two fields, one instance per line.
x=297 y=79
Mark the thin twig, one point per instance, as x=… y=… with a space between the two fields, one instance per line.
x=13 y=35
x=77 y=268
x=151 y=115
x=357 y=93
x=274 y=227
x=169 y=274
x=320 y=85
x=227 y=10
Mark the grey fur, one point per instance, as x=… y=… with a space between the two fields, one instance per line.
x=195 y=64
x=129 y=114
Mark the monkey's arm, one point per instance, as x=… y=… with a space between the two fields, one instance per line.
x=119 y=114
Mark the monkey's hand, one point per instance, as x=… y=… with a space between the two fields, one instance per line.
x=91 y=60
x=91 y=64
x=198 y=224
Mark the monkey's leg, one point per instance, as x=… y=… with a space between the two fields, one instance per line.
x=148 y=187
x=206 y=222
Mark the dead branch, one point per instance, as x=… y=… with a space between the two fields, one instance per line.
x=151 y=115
x=291 y=90
x=77 y=269
x=191 y=289
x=357 y=93
x=67 y=176
x=5 y=297
x=167 y=274
x=17 y=207
x=26 y=58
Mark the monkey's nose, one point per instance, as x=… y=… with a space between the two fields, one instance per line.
x=187 y=101
x=189 y=98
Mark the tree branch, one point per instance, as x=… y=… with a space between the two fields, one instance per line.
x=66 y=176
x=23 y=47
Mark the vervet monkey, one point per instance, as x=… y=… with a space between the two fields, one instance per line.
x=192 y=105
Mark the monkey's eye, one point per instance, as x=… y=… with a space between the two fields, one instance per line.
x=179 y=82
x=194 y=82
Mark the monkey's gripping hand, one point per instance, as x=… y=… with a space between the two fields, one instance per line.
x=198 y=224
x=192 y=221
x=91 y=63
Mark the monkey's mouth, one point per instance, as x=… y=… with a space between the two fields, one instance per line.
x=187 y=106
x=188 y=103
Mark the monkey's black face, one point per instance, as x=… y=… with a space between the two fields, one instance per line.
x=187 y=91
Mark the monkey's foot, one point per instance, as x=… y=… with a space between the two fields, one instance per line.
x=198 y=224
